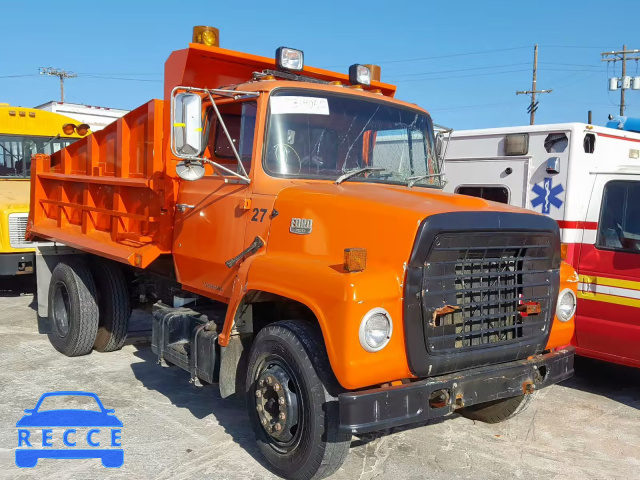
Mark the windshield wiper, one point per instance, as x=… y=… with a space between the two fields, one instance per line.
x=411 y=181
x=357 y=171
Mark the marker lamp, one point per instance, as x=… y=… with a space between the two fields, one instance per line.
x=82 y=129
x=566 y=305
x=359 y=75
x=375 y=330
x=68 y=128
x=289 y=59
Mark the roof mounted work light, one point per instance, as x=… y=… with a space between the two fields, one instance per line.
x=289 y=59
x=359 y=75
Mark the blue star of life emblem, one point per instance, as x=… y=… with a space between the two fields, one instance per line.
x=547 y=195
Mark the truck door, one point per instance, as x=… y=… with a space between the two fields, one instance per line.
x=213 y=212
x=499 y=180
x=608 y=313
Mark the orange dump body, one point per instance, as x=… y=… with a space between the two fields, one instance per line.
x=108 y=193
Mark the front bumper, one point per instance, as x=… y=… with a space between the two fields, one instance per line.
x=380 y=408
x=17 y=263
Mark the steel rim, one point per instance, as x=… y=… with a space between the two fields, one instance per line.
x=278 y=403
x=61 y=309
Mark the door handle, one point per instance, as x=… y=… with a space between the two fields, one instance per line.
x=181 y=207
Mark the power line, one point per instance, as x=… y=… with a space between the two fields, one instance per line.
x=448 y=77
x=461 y=70
x=438 y=56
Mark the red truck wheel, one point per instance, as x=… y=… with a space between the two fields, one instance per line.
x=73 y=311
x=292 y=412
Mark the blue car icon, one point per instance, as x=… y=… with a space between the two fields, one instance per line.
x=69 y=419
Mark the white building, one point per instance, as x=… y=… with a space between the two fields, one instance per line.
x=96 y=117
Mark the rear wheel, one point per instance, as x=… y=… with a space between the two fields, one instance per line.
x=114 y=305
x=73 y=310
x=291 y=402
x=498 y=410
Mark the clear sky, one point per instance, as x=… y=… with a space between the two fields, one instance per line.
x=461 y=60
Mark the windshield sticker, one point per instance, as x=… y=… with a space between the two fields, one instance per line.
x=308 y=105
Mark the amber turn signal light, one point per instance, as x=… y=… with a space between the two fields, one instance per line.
x=82 y=129
x=564 y=247
x=355 y=259
x=68 y=128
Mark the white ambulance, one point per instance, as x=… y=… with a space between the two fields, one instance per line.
x=588 y=179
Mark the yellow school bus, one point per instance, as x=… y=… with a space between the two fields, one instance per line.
x=24 y=132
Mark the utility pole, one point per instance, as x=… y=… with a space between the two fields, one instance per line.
x=533 y=106
x=61 y=74
x=623 y=56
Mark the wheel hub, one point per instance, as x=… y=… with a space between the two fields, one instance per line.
x=276 y=403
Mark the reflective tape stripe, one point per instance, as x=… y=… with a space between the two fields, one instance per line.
x=179 y=125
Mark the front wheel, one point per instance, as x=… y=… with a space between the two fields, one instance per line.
x=291 y=403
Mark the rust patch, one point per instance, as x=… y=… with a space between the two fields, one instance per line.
x=443 y=311
x=530 y=308
x=528 y=387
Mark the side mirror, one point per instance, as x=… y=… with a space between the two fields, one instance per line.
x=553 y=165
x=190 y=170
x=187 y=125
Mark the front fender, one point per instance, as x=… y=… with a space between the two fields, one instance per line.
x=562 y=332
x=339 y=300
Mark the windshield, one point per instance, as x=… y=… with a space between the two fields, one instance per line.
x=325 y=135
x=16 y=151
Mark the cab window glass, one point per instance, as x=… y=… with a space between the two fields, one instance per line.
x=494 y=194
x=619 y=226
x=240 y=120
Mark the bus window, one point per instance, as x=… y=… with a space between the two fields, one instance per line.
x=619 y=225
x=494 y=194
x=16 y=151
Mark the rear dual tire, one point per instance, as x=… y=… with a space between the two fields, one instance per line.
x=89 y=307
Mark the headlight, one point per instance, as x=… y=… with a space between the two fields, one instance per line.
x=566 y=305
x=375 y=330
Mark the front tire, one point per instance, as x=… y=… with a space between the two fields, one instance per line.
x=292 y=404
x=498 y=410
x=73 y=310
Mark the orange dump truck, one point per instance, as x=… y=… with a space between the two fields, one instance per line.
x=288 y=228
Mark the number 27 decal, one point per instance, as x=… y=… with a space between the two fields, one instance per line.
x=256 y=214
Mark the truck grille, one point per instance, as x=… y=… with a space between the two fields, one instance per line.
x=17 y=230
x=477 y=287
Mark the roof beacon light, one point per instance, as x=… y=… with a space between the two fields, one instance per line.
x=208 y=36
x=359 y=75
x=289 y=59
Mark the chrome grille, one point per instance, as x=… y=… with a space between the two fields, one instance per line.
x=17 y=230
x=476 y=288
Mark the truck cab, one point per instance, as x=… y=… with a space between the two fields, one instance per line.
x=585 y=177
x=288 y=229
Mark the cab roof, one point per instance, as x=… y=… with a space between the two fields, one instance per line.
x=203 y=66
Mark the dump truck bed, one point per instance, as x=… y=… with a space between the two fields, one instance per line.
x=108 y=193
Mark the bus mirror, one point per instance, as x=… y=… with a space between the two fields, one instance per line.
x=187 y=125
x=553 y=165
